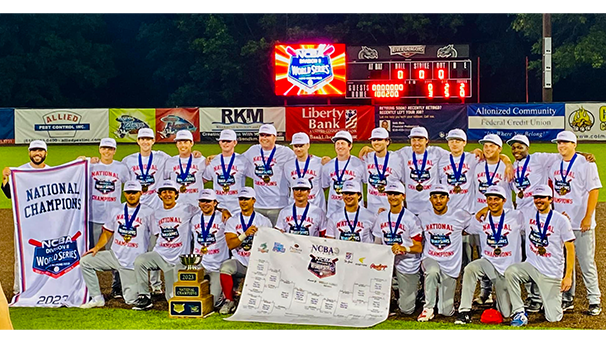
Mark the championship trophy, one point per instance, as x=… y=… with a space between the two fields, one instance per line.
x=192 y=298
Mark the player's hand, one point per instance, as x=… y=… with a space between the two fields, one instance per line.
x=251 y=230
x=478 y=153
x=225 y=215
x=364 y=151
x=197 y=154
x=585 y=224
x=481 y=214
x=509 y=172
x=567 y=216
x=397 y=249
x=210 y=158
x=92 y=251
x=589 y=157
x=6 y=172
x=326 y=159
x=382 y=209
x=94 y=160
x=566 y=284
x=83 y=158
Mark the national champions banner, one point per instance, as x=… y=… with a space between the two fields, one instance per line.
x=587 y=120
x=50 y=214
x=321 y=123
x=246 y=121
x=437 y=119
x=295 y=279
x=61 y=125
x=539 y=122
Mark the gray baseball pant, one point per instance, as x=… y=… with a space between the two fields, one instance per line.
x=153 y=261
x=549 y=289
x=233 y=267
x=475 y=271
x=408 y=285
x=107 y=260
x=440 y=284
x=215 y=285
x=584 y=248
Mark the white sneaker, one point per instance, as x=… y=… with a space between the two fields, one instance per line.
x=94 y=302
x=157 y=290
x=426 y=315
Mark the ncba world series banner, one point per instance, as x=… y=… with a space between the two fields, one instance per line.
x=587 y=120
x=61 y=125
x=295 y=279
x=50 y=212
x=171 y=120
x=321 y=123
x=539 y=122
x=437 y=119
x=246 y=121
x=124 y=123
x=7 y=126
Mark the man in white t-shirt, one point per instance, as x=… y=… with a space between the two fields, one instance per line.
x=547 y=233
x=302 y=217
x=186 y=170
x=353 y=222
x=307 y=166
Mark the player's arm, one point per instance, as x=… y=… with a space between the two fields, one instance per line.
x=592 y=202
x=103 y=239
x=567 y=280
x=6 y=188
x=415 y=248
x=234 y=241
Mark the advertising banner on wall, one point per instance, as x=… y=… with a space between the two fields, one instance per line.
x=539 y=122
x=124 y=123
x=587 y=120
x=61 y=125
x=244 y=120
x=437 y=119
x=322 y=122
x=7 y=126
x=171 y=120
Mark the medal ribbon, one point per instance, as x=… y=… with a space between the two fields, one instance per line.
x=520 y=178
x=305 y=169
x=129 y=222
x=488 y=177
x=206 y=228
x=298 y=226
x=385 y=161
x=457 y=172
x=250 y=221
x=183 y=175
x=231 y=163
x=267 y=165
x=497 y=233
x=340 y=177
x=391 y=230
x=543 y=232
x=149 y=163
x=352 y=228
x=414 y=161
x=567 y=169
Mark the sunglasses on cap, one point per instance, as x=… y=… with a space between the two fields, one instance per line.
x=131 y=192
x=205 y=201
x=300 y=189
x=225 y=141
x=265 y=135
x=243 y=199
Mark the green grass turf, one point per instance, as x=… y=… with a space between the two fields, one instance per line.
x=14 y=156
x=123 y=319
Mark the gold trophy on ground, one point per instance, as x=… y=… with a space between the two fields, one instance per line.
x=192 y=298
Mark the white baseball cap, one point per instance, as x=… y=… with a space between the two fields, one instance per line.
x=492 y=138
x=107 y=143
x=520 y=139
x=168 y=184
x=439 y=188
x=184 y=135
x=418 y=131
x=396 y=187
x=132 y=186
x=299 y=138
x=37 y=144
x=345 y=135
x=146 y=132
x=300 y=183
x=565 y=136
x=228 y=135
x=379 y=133
x=542 y=191
x=496 y=190
x=351 y=186
x=247 y=192
x=456 y=134
x=268 y=129
x=207 y=194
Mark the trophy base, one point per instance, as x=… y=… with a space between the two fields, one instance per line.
x=188 y=290
x=190 y=308
x=194 y=276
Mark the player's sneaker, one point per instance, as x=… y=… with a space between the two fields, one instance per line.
x=534 y=307
x=116 y=294
x=594 y=310
x=143 y=302
x=97 y=301
x=228 y=307
x=567 y=306
x=463 y=318
x=519 y=319
x=426 y=315
x=157 y=290
x=484 y=299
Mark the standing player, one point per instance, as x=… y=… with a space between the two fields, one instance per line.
x=305 y=166
x=353 y=222
x=491 y=172
x=340 y=169
x=186 y=170
x=37 y=156
x=401 y=229
x=500 y=247
x=577 y=185
x=302 y=217
x=129 y=225
x=443 y=228
x=239 y=234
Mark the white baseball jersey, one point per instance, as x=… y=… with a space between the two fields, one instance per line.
x=211 y=235
x=154 y=176
x=559 y=231
x=234 y=179
x=355 y=171
x=128 y=243
x=173 y=231
x=464 y=199
x=192 y=179
x=273 y=194
x=313 y=223
x=376 y=199
x=583 y=177
x=509 y=242
x=343 y=227
x=106 y=188
x=536 y=173
x=418 y=201
x=28 y=166
x=443 y=238
x=313 y=174
x=234 y=225
x=497 y=173
x=404 y=233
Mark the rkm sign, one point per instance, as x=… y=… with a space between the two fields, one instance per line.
x=241 y=115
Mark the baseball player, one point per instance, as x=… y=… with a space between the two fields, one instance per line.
x=302 y=217
x=441 y=262
x=547 y=233
x=401 y=229
x=128 y=226
x=340 y=169
x=577 y=184
x=185 y=169
x=266 y=168
x=208 y=232
x=239 y=234
x=306 y=166
x=353 y=222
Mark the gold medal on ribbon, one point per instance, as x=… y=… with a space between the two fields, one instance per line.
x=381 y=188
x=127 y=238
x=520 y=194
x=563 y=191
x=419 y=187
x=266 y=179
x=226 y=188
x=497 y=251
x=542 y=251
x=144 y=188
x=183 y=188
x=457 y=189
x=204 y=249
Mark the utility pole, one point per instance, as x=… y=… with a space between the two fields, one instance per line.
x=547 y=49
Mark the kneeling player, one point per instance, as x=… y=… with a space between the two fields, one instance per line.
x=442 y=255
x=302 y=218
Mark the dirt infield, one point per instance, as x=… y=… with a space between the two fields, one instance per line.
x=575 y=319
